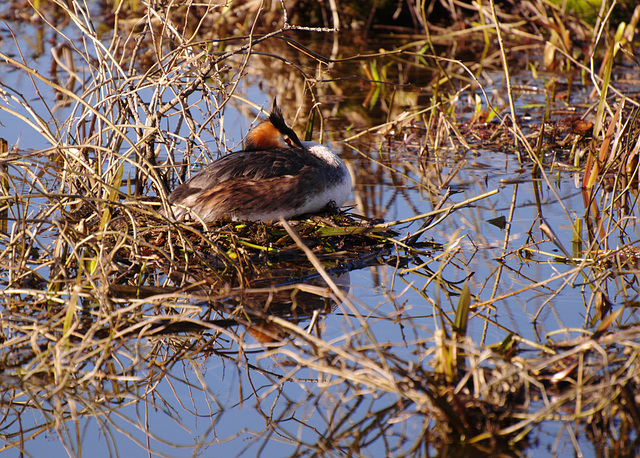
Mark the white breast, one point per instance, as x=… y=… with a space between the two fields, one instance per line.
x=338 y=190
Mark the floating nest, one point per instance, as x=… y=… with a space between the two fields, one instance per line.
x=260 y=267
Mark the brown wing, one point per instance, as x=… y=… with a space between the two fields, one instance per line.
x=248 y=165
x=247 y=198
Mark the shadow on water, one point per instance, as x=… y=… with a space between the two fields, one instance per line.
x=477 y=295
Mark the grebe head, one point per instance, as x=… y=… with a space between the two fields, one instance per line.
x=272 y=133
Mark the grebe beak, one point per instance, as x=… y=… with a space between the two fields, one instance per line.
x=272 y=134
x=279 y=123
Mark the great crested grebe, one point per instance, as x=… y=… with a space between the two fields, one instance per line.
x=276 y=175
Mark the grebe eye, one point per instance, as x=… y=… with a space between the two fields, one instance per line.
x=288 y=141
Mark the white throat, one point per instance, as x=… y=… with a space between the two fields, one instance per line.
x=323 y=153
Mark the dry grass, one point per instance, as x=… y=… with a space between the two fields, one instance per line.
x=104 y=300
